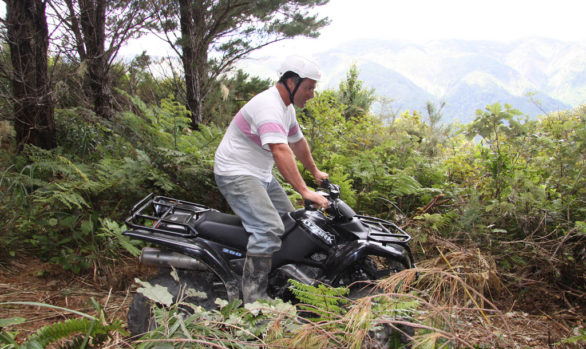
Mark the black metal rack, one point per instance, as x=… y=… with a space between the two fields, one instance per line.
x=384 y=231
x=161 y=214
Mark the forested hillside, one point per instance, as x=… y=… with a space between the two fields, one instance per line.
x=496 y=206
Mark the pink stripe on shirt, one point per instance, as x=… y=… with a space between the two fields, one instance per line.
x=244 y=126
x=293 y=130
x=269 y=127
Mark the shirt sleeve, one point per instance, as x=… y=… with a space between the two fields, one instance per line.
x=295 y=134
x=270 y=128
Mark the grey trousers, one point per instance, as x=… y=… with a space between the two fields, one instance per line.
x=260 y=206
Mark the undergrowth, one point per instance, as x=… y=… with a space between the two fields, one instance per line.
x=84 y=332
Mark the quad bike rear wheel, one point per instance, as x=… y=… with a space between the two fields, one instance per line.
x=207 y=285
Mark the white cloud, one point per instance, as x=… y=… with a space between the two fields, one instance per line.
x=456 y=19
x=422 y=20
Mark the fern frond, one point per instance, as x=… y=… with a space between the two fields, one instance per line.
x=64 y=330
x=113 y=230
x=325 y=302
x=62 y=194
x=51 y=161
x=402 y=184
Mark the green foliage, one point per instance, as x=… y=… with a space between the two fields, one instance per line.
x=377 y=170
x=111 y=231
x=55 y=200
x=231 y=325
x=437 y=221
x=85 y=332
x=495 y=126
x=136 y=79
x=329 y=320
x=356 y=99
x=578 y=339
x=230 y=94
x=322 y=302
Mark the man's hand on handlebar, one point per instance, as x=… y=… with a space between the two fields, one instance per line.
x=319 y=176
x=317 y=199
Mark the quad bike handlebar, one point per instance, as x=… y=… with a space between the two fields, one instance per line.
x=338 y=209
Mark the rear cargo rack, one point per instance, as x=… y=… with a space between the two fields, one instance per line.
x=384 y=231
x=161 y=214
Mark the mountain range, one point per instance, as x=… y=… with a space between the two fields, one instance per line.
x=533 y=75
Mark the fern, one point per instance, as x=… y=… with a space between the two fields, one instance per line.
x=402 y=184
x=87 y=331
x=63 y=330
x=64 y=194
x=111 y=230
x=60 y=182
x=323 y=302
x=56 y=164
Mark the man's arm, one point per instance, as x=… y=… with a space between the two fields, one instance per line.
x=302 y=152
x=288 y=167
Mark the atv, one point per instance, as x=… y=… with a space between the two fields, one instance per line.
x=207 y=249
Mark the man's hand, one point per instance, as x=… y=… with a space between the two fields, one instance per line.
x=286 y=164
x=316 y=198
x=319 y=176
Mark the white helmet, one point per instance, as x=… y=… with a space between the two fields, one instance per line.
x=304 y=67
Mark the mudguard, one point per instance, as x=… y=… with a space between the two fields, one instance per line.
x=359 y=249
x=198 y=249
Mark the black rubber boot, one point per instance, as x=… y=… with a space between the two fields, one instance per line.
x=255 y=278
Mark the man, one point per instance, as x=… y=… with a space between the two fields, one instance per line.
x=263 y=133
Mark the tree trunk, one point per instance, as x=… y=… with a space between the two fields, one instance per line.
x=193 y=52
x=28 y=39
x=93 y=26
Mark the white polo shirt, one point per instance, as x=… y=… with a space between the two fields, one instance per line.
x=245 y=150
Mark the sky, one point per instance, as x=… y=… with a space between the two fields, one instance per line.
x=423 y=20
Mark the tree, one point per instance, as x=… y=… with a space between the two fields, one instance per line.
x=495 y=126
x=436 y=133
x=28 y=40
x=95 y=30
x=215 y=34
x=356 y=99
x=233 y=92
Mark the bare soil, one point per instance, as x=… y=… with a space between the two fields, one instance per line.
x=527 y=318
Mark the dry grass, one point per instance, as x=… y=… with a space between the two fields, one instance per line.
x=459 y=290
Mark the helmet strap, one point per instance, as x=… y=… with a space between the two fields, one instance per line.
x=292 y=94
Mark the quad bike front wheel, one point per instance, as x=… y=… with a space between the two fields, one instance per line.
x=194 y=287
x=361 y=276
x=361 y=279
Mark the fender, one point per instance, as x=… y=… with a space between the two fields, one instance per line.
x=197 y=249
x=358 y=249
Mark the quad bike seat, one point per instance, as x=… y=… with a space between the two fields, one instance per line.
x=227 y=229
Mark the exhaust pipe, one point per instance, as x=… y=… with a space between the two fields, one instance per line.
x=160 y=258
x=296 y=274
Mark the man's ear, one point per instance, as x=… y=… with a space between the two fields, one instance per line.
x=290 y=83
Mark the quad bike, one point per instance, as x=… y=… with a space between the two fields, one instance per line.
x=207 y=248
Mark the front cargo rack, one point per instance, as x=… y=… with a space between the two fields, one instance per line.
x=161 y=214
x=384 y=231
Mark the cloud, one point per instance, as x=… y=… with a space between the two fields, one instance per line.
x=500 y=20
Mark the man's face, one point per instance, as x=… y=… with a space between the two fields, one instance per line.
x=304 y=92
